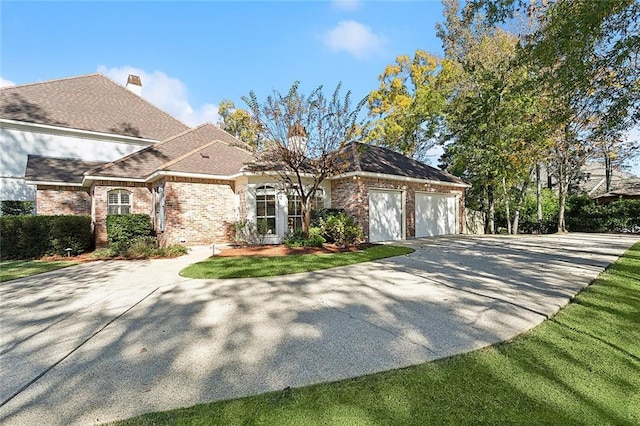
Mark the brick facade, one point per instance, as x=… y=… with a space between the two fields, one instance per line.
x=352 y=195
x=199 y=211
x=141 y=199
x=53 y=200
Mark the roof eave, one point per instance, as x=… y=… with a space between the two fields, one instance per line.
x=398 y=177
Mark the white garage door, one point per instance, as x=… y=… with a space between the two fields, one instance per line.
x=436 y=214
x=385 y=215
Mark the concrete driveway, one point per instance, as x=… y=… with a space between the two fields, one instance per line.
x=110 y=340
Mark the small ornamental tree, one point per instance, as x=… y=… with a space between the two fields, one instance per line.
x=299 y=138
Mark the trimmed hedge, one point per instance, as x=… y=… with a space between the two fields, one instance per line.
x=586 y=215
x=31 y=237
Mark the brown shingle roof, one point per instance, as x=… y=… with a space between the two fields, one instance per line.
x=48 y=169
x=206 y=149
x=360 y=157
x=91 y=102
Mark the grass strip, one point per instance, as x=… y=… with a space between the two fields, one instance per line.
x=580 y=367
x=14 y=269
x=259 y=266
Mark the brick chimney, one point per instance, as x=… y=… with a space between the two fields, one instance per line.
x=134 y=84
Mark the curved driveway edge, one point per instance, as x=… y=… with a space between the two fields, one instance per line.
x=116 y=339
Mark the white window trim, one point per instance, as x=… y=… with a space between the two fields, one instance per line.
x=264 y=191
x=119 y=191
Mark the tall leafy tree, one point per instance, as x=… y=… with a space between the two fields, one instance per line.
x=494 y=125
x=239 y=123
x=586 y=54
x=406 y=108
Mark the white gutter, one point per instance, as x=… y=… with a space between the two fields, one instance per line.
x=400 y=178
x=120 y=179
x=63 y=131
x=38 y=182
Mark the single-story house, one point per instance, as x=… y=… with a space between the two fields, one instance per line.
x=195 y=185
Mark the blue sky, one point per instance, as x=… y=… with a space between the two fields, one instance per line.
x=191 y=55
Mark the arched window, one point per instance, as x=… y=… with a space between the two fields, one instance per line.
x=119 y=201
x=266 y=208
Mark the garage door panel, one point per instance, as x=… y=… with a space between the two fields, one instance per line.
x=385 y=215
x=436 y=214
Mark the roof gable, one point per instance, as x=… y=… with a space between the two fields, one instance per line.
x=360 y=157
x=204 y=150
x=92 y=103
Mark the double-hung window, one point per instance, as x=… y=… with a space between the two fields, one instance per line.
x=119 y=202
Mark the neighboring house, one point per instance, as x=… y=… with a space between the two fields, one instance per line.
x=88 y=118
x=594 y=182
x=630 y=191
x=195 y=184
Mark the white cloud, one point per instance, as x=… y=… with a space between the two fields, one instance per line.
x=348 y=5
x=167 y=93
x=354 y=38
x=5 y=83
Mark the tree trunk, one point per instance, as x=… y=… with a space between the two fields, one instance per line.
x=506 y=204
x=607 y=171
x=539 y=197
x=562 y=201
x=521 y=195
x=306 y=221
x=490 y=223
x=563 y=187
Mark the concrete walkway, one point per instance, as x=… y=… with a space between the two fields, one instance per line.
x=109 y=340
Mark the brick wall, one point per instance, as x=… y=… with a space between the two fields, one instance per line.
x=199 y=212
x=141 y=198
x=352 y=195
x=52 y=200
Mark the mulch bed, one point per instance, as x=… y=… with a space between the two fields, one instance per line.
x=282 y=250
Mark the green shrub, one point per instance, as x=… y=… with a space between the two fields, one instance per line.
x=72 y=232
x=103 y=253
x=322 y=214
x=126 y=227
x=586 y=215
x=16 y=208
x=174 y=250
x=139 y=247
x=341 y=229
x=31 y=237
x=528 y=222
x=297 y=238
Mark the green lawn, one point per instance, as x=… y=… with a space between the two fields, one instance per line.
x=14 y=269
x=251 y=267
x=580 y=368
